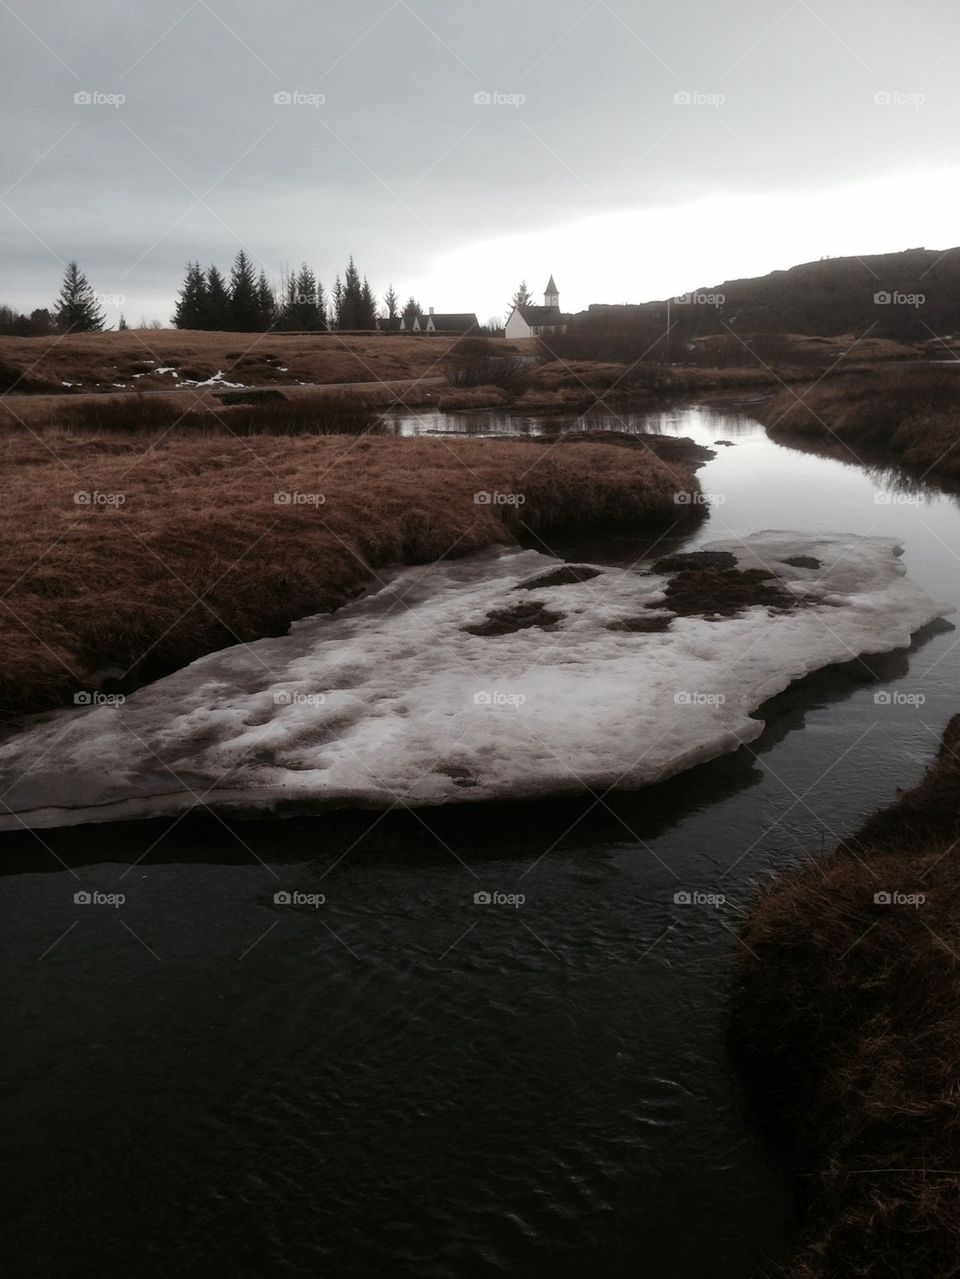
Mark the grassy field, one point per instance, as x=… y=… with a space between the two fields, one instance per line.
x=912 y=413
x=848 y=1016
x=161 y=360
x=127 y=554
x=98 y=361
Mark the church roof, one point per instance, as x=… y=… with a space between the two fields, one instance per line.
x=552 y=286
x=541 y=316
x=451 y=323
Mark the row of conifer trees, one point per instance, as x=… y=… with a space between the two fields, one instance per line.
x=246 y=302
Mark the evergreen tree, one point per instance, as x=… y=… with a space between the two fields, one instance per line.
x=191 y=305
x=321 y=307
x=411 y=311
x=77 y=309
x=307 y=313
x=522 y=297
x=217 y=310
x=123 y=325
x=367 y=315
x=351 y=311
x=266 y=303
x=288 y=300
x=244 y=310
x=392 y=303
x=337 y=311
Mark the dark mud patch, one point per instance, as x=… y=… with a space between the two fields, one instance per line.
x=802 y=561
x=459 y=776
x=567 y=575
x=504 y=621
x=695 y=559
x=717 y=592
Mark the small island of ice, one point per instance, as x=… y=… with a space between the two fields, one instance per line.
x=504 y=675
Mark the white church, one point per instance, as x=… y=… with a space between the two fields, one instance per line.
x=538 y=321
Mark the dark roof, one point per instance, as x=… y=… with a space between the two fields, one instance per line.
x=552 y=286
x=541 y=316
x=451 y=323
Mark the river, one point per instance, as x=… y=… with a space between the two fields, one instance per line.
x=394 y=1084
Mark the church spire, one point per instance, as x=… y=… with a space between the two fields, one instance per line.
x=551 y=295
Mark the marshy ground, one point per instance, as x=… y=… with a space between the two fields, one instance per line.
x=131 y=553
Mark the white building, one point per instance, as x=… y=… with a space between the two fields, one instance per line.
x=538 y=321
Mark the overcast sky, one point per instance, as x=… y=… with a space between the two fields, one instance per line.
x=634 y=150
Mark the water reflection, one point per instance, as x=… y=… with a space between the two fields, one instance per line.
x=664 y=420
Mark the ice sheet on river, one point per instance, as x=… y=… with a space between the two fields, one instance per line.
x=392 y=700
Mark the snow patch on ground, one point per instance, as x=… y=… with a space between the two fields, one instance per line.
x=218 y=379
x=392 y=699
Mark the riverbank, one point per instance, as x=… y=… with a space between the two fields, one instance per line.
x=400 y=370
x=912 y=414
x=846 y=1014
x=128 y=557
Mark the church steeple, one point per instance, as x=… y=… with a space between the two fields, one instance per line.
x=551 y=296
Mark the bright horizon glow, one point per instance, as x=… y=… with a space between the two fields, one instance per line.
x=642 y=255
x=648 y=255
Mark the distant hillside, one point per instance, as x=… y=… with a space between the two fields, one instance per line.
x=913 y=296
x=845 y=295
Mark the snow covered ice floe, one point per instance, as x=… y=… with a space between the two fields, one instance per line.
x=492 y=677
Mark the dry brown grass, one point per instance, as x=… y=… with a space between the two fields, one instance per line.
x=98 y=360
x=912 y=412
x=848 y=1016
x=199 y=555
x=335 y=413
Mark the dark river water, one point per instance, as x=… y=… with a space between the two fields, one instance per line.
x=400 y=1082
